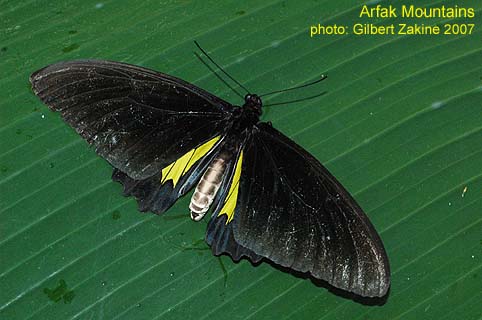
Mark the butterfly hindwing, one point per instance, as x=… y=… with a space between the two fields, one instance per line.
x=138 y=119
x=292 y=211
x=159 y=192
x=219 y=234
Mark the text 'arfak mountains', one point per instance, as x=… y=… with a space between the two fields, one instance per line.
x=417 y=12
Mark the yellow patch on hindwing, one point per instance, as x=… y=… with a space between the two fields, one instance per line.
x=232 y=197
x=178 y=168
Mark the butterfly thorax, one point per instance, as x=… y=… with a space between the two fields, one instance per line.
x=247 y=115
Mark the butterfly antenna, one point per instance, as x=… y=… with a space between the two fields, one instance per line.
x=323 y=77
x=293 y=101
x=217 y=65
x=218 y=76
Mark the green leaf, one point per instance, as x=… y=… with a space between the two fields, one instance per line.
x=399 y=126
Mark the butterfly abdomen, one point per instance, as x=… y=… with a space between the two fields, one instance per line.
x=208 y=187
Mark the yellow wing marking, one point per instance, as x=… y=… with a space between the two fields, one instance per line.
x=231 y=199
x=178 y=168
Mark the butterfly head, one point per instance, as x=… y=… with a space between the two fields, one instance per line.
x=253 y=102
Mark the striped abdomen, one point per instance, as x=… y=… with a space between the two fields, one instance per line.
x=207 y=187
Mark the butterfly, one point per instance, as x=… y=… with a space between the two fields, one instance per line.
x=270 y=199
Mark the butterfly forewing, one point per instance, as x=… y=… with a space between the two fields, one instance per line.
x=139 y=120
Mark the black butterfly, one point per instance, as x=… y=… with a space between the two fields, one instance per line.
x=270 y=198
